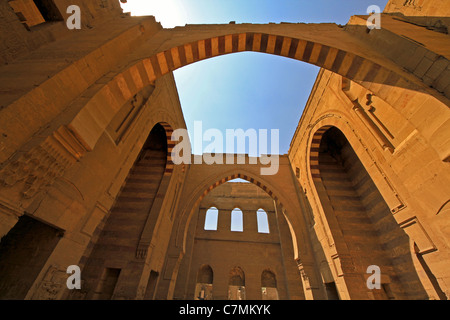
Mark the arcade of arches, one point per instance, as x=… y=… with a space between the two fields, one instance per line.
x=87 y=176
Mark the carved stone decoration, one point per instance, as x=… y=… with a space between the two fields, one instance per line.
x=142 y=250
x=40 y=166
x=51 y=285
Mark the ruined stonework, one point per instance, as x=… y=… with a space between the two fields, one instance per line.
x=87 y=176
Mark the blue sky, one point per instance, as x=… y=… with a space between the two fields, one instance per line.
x=247 y=90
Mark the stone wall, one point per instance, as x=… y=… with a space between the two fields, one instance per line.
x=18 y=40
x=251 y=251
x=394 y=142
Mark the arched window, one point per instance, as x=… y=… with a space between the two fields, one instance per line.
x=203 y=289
x=211 y=219
x=237 y=220
x=269 y=289
x=263 y=221
x=236 y=284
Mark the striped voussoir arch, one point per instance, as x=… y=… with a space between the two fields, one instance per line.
x=170 y=145
x=232 y=177
x=87 y=127
x=314 y=152
x=344 y=63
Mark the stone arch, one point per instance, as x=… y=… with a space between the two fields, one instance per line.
x=325 y=45
x=154 y=215
x=205 y=274
x=236 y=277
x=204 y=286
x=358 y=142
x=322 y=52
x=350 y=59
x=268 y=279
x=314 y=152
x=206 y=178
x=168 y=130
x=233 y=176
x=150 y=176
x=312 y=52
x=170 y=145
x=351 y=201
x=269 y=287
x=200 y=193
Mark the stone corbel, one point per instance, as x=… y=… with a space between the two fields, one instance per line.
x=415 y=230
x=142 y=250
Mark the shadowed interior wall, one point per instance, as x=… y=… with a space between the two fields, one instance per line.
x=240 y=258
x=117 y=245
x=23 y=253
x=366 y=225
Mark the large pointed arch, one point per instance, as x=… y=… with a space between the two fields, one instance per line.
x=350 y=202
x=288 y=201
x=349 y=58
x=137 y=209
x=213 y=182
